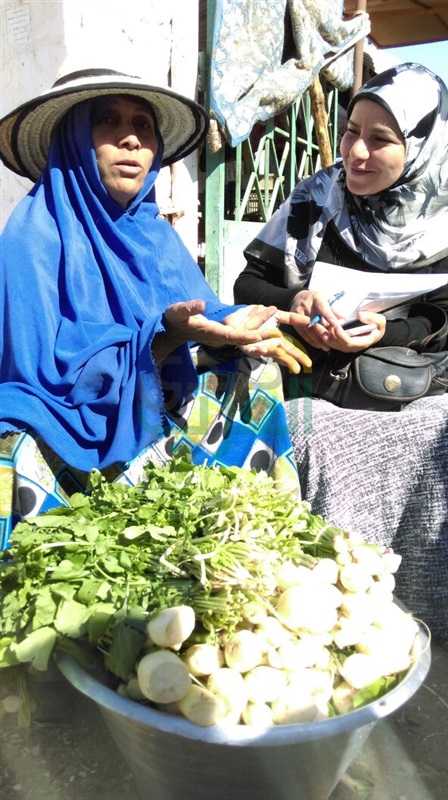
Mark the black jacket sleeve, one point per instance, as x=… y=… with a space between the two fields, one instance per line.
x=263 y=283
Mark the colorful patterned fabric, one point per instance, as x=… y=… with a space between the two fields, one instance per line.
x=235 y=417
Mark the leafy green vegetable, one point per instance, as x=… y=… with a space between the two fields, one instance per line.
x=97 y=570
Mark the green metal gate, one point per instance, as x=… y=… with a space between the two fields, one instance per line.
x=245 y=185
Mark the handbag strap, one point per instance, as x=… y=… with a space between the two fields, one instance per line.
x=436 y=315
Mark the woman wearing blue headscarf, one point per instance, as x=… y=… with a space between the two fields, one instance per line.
x=101 y=300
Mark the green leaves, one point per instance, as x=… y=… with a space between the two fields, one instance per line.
x=97 y=570
x=36 y=648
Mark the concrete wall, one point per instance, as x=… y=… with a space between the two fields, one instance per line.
x=38 y=35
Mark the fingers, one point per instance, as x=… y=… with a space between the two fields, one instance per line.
x=284 y=349
x=295 y=318
x=251 y=317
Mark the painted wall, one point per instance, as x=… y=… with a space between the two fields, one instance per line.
x=160 y=38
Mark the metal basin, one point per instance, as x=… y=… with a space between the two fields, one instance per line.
x=172 y=759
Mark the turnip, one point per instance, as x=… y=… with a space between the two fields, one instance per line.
x=288 y=574
x=202 y=659
x=358 y=607
x=295 y=706
x=259 y=714
x=230 y=687
x=342 y=697
x=264 y=684
x=272 y=659
x=308 y=607
x=355 y=578
x=243 y=651
x=391 y=561
x=369 y=558
x=386 y=649
x=387 y=581
x=201 y=706
x=133 y=689
x=360 y=669
x=171 y=626
x=380 y=595
x=326 y=570
x=254 y=613
x=302 y=653
x=400 y=627
x=347 y=632
x=274 y=633
x=162 y=677
x=316 y=682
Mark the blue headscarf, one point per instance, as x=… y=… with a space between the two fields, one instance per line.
x=84 y=287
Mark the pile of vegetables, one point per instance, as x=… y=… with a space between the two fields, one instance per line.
x=210 y=593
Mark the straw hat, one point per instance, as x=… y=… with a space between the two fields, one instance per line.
x=25 y=133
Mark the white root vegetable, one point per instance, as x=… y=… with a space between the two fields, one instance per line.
x=360 y=669
x=348 y=632
x=342 y=697
x=288 y=574
x=302 y=653
x=308 y=608
x=399 y=624
x=230 y=687
x=380 y=594
x=253 y=613
x=264 y=684
x=391 y=560
x=296 y=706
x=369 y=558
x=316 y=682
x=383 y=646
x=201 y=706
x=259 y=714
x=274 y=633
x=272 y=659
x=386 y=580
x=133 y=689
x=202 y=659
x=355 y=578
x=162 y=677
x=358 y=607
x=326 y=570
x=171 y=626
x=243 y=651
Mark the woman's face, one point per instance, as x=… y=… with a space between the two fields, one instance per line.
x=125 y=143
x=372 y=149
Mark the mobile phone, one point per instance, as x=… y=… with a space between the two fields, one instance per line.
x=360 y=330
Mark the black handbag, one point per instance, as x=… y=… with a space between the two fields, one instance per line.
x=382 y=378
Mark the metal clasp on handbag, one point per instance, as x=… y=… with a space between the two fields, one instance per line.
x=340 y=374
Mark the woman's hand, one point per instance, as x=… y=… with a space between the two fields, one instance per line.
x=253 y=326
x=184 y=322
x=328 y=334
x=274 y=344
x=339 y=339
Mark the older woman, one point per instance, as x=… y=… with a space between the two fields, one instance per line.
x=100 y=301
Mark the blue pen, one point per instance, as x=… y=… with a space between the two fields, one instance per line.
x=331 y=302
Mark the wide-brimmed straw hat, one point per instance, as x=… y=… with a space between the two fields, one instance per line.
x=25 y=133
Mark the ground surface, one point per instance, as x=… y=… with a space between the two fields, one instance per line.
x=405 y=757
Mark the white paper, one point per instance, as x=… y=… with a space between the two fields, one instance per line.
x=370 y=291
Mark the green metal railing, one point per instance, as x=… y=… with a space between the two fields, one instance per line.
x=249 y=182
